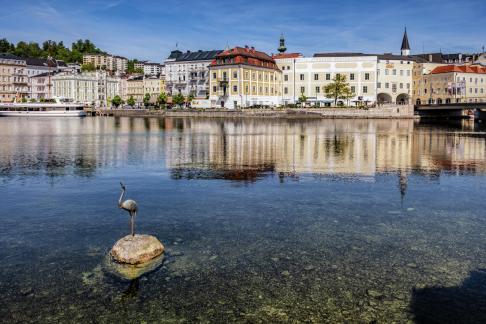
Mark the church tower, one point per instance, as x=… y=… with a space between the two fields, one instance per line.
x=405 y=45
x=282 y=47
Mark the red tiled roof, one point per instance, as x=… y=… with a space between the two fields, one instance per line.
x=287 y=55
x=459 y=68
x=245 y=55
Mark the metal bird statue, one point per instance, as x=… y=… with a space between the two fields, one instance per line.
x=130 y=206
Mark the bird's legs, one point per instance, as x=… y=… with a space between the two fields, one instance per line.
x=132 y=221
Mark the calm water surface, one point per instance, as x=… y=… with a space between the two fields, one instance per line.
x=263 y=220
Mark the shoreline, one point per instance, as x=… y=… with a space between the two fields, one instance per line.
x=404 y=112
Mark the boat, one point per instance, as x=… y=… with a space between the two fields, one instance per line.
x=56 y=107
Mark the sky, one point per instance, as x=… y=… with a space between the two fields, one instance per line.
x=150 y=29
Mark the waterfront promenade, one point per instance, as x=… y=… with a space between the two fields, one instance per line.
x=382 y=112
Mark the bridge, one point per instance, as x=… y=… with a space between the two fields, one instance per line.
x=473 y=110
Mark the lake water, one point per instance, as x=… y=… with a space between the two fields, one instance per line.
x=263 y=220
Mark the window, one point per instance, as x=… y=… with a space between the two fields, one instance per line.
x=408 y=72
x=328 y=76
x=235 y=88
x=214 y=89
x=301 y=77
x=353 y=89
x=286 y=90
x=394 y=72
x=386 y=71
x=235 y=75
x=387 y=85
x=401 y=72
x=367 y=76
x=378 y=85
x=365 y=89
x=286 y=78
x=401 y=85
x=351 y=77
x=302 y=89
x=318 y=89
x=316 y=77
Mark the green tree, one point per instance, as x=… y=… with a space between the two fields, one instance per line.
x=302 y=98
x=162 y=99
x=131 y=101
x=146 y=100
x=347 y=95
x=88 y=67
x=178 y=99
x=337 y=88
x=32 y=100
x=6 y=46
x=116 y=101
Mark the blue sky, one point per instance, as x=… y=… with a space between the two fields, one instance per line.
x=150 y=29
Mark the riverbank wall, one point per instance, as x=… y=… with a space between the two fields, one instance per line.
x=388 y=112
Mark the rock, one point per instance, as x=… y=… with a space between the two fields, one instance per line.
x=176 y=254
x=285 y=273
x=137 y=249
x=132 y=271
x=309 y=268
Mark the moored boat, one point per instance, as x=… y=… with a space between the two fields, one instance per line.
x=59 y=108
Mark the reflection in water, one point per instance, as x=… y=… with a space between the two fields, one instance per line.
x=236 y=149
x=337 y=220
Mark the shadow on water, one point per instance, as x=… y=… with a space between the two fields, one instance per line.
x=460 y=304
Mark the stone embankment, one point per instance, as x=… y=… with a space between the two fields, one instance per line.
x=383 y=112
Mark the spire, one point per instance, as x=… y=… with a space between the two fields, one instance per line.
x=282 y=47
x=405 y=45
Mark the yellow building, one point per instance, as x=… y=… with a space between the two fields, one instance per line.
x=452 y=84
x=135 y=89
x=244 y=77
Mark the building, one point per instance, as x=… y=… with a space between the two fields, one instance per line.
x=452 y=84
x=151 y=85
x=187 y=73
x=91 y=88
x=107 y=62
x=244 y=77
x=310 y=75
x=135 y=88
x=41 y=86
x=395 y=77
x=153 y=69
x=13 y=78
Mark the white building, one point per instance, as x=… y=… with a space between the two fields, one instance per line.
x=395 y=78
x=92 y=88
x=309 y=76
x=153 y=69
x=111 y=63
x=188 y=73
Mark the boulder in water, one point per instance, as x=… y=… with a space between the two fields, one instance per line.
x=137 y=249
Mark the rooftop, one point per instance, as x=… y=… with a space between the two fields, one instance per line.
x=194 y=56
x=459 y=69
x=287 y=55
x=245 y=55
x=9 y=56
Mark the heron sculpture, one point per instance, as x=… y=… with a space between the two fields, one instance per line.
x=130 y=206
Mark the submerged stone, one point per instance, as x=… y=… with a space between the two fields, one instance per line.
x=137 y=249
x=132 y=271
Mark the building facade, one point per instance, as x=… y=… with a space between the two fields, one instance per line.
x=111 y=63
x=152 y=69
x=310 y=75
x=452 y=84
x=135 y=89
x=13 y=78
x=41 y=86
x=92 y=88
x=151 y=85
x=188 y=73
x=244 y=77
x=394 y=79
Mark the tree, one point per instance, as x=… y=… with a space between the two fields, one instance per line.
x=178 y=99
x=146 y=100
x=338 y=88
x=88 y=67
x=347 y=94
x=131 y=101
x=32 y=100
x=302 y=98
x=116 y=101
x=162 y=99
